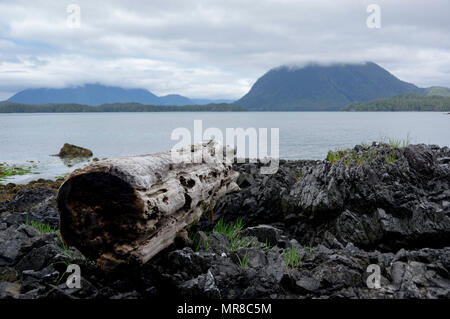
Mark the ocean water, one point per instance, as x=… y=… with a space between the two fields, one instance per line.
x=302 y=135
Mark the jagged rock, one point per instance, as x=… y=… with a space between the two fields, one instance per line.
x=308 y=284
x=35 y=204
x=216 y=242
x=374 y=202
x=260 y=198
x=14 y=241
x=264 y=233
x=202 y=286
x=322 y=272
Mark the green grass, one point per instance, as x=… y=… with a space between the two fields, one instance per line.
x=41 y=228
x=268 y=246
x=230 y=230
x=64 y=248
x=347 y=161
x=347 y=157
x=244 y=261
x=7 y=171
x=307 y=250
x=397 y=143
x=63 y=176
x=360 y=160
x=293 y=257
x=336 y=156
x=198 y=242
x=391 y=157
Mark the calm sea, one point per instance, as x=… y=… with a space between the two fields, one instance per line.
x=302 y=135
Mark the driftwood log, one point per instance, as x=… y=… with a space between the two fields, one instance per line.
x=126 y=210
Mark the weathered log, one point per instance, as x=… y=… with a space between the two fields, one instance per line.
x=126 y=210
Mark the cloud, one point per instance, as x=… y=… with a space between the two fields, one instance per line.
x=214 y=49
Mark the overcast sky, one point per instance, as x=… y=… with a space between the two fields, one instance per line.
x=213 y=49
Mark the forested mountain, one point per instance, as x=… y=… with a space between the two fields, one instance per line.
x=316 y=87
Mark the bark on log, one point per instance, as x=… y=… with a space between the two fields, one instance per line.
x=126 y=210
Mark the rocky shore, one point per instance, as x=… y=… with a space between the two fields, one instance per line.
x=309 y=231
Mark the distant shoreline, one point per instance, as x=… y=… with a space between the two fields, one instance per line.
x=11 y=107
x=399 y=103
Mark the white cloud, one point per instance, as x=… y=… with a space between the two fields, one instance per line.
x=213 y=49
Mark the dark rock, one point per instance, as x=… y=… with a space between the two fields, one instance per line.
x=73 y=151
x=308 y=284
x=264 y=233
x=8 y=191
x=9 y=290
x=37 y=258
x=202 y=286
x=217 y=242
x=376 y=204
x=14 y=242
x=38 y=204
x=260 y=198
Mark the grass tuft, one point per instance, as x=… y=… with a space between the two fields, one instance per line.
x=293 y=257
x=231 y=230
x=198 y=242
x=64 y=248
x=335 y=156
x=244 y=261
x=41 y=228
x=397 y=143
x=391 y=157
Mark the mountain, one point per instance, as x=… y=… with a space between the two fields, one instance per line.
x=89 y=94
x=319 y=88
x=97 y=94
x=206 y=101
x=173 y=99
x=403 y=103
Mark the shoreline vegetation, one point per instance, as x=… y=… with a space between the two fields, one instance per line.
x=403 y=103
x=399 y=103
x=9 y=170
